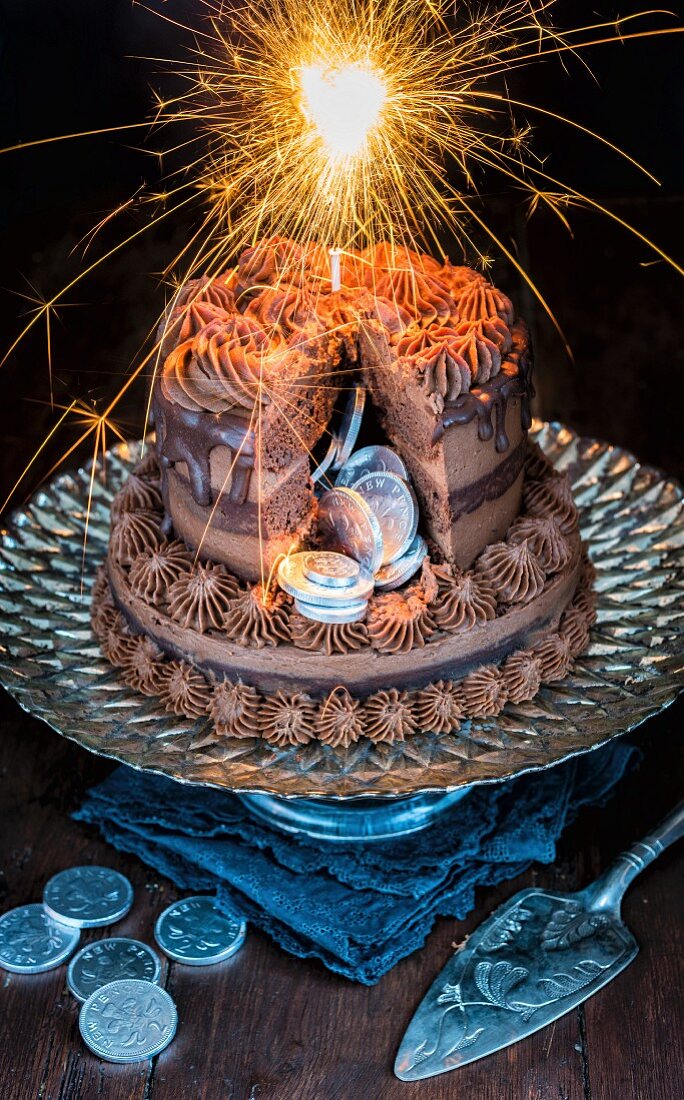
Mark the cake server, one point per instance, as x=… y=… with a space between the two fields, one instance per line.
x=537 y=957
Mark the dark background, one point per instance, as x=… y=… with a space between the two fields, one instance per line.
x=80 y=65
x=265 y=1024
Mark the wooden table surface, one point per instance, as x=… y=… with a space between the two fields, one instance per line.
x=266 y=1026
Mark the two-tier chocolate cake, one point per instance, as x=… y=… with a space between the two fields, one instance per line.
x=240 y=587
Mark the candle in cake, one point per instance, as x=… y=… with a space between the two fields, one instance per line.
x=335 y=269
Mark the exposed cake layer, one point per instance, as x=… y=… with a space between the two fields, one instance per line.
x=465 y=456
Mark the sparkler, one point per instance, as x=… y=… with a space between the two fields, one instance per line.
x=355 y=122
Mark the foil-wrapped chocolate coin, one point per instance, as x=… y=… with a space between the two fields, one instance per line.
x=370 y=460
x=88 y=897
x=196 y=932
x=31 y=941
x=394 y=505
x=111 y=960
x=347 y=523
x=398 y=572
x=293 y=580
x=350 y=426
x=330 y=569
x=128 y=1021
x=345 y=613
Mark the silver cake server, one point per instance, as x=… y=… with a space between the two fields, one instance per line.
x=537 y=957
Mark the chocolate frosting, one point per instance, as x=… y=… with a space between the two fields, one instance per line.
x=189 y=437
x=285 y=313
x=484 y=692
x=387 y=716
x=142 y=666
x=574 y=628
x=554 y=657
x=287 y=719
x=117 y=642
x=327 y=638
x=153 y=572
x=148 y=469
x=338 y=722
x=512 y=571
x=522 y=674
x=479 y=346
x=398 y=622
x=489 y=402
x=552 y=497
x=234 y=709
x=537 y=465
x=202 y=598
x=439 y=707
x=421 y=294
x=268 y=262
x=258 y=619
x=133 y=534
x=479 y=299
x=488 y=487
x=184 y=690
x=222 y=368
x=465 y=601
x=137 y=495
x=435 y=354
x=545 y=540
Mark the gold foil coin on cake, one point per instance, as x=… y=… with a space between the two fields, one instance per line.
x=371 y=460
x=293 y=579
x=347 y=523
x=394 y=505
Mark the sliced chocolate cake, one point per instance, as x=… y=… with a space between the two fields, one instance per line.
x=218 y=596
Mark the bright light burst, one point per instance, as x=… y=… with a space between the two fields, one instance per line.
x=351 y=122
x=368 y=120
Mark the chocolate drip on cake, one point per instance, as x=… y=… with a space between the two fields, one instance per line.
x=190 y=437
x=513 y=381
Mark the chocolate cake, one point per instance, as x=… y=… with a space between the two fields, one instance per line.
x=253 y=367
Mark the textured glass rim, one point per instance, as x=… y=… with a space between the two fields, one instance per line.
x=632 y=516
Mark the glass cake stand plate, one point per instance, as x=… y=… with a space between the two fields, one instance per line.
x=632 y=517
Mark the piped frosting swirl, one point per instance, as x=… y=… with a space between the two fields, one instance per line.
x=201 y=597
x=234 y=709
x=258 y=618
x=339 y=720
x=512 y=571
x=223 y=367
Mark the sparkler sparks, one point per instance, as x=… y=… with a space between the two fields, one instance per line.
x=354 y=122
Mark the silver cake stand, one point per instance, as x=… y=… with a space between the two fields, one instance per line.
x=632 y=517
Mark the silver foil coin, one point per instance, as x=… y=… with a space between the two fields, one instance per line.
x=196 y=932
x=370 y=460
x=330 y=569
x=31 y=941
x=326 y=462
x=345 y=613
x=292 y=579
x=394 y=505
x=128 y=1021
x=398 y=572
x=351 y=426
x=347 y=523
x=111 y=960
x=88 y=897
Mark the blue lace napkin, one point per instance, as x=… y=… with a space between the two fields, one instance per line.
x=357 y=908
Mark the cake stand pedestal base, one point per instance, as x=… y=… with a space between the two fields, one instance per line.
x=354 y=820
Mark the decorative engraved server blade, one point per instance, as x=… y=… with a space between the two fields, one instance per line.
x=537 y=957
